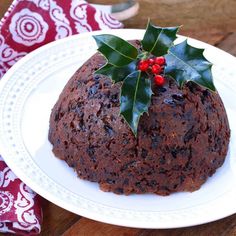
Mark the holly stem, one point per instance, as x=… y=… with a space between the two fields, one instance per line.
x=144 y=55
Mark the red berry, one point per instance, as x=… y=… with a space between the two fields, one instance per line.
x=159 y=80
x=151 y=61
x=143 y=65
x=156 y=69
x=160 y=61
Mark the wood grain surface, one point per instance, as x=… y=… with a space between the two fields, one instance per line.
x=218 y=19
x=200 y=17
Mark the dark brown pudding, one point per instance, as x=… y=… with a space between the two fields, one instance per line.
x=182 y=141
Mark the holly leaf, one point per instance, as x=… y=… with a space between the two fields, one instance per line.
x=158 y=40
x=135 y=98
x=186 y=63
x=115 y=73
x=117 y=51
x=183 y=63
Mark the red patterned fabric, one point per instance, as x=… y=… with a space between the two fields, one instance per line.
x=20 y=210
x=27 y=25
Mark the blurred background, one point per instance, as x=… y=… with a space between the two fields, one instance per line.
x=212 y=21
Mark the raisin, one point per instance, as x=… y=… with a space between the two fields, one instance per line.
x=96 y=77
x=178 y=97
x=90 y=151
x=144 y=153
x=109 y=130
x=119 y=190
x=162 y=171
x=161 y=90
x=93 y=90
x=174 y=153
x=110 y=181
x=155 y=141
x=127 y=165
x=115 y=99
x=169 y=102
x=189 y=135
x=162 y=160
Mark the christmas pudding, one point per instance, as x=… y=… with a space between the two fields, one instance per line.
x=147 y=120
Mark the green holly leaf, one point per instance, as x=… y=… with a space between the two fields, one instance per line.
x=183 y=63
x=186 y=63
x=135 y=98
x=158 y=40
x=117 y=51
x=115 y=73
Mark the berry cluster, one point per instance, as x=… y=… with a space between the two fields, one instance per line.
x=154 y=66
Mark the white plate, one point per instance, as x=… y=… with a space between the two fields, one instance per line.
x=28 y=92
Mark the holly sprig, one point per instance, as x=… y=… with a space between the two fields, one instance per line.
x=130 y=66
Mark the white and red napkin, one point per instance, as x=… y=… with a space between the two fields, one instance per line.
x=27 y=25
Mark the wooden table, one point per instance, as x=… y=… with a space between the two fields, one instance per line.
x=58 y=221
